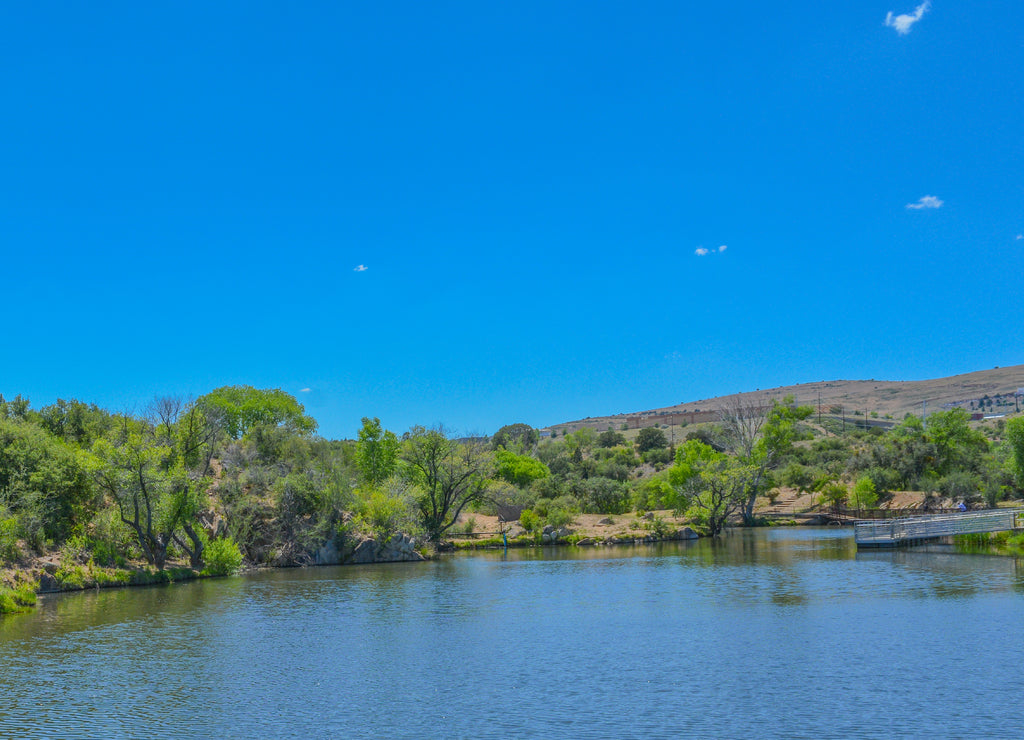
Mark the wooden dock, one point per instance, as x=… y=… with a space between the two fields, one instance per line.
x=907 y=530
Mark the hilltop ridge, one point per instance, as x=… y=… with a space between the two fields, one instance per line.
x=983 y=391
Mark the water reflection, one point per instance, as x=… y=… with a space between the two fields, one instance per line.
x=778 y=632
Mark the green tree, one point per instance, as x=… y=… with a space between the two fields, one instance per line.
x=1015 y=440
x=760 y=437
x=610 y=438
x=650 y=438
x=517 y=437
x=376 y=452
x=133 y=473
x=958 y=446
x=864 y=494
x=519 y=470
x=709 y=483
x=450 y=475
x=239 y=408
x=44 y=482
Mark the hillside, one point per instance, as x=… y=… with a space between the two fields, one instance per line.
x=881 y=398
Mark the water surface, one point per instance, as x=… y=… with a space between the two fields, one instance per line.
x=765 y=633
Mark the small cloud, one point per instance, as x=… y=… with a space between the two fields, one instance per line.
x=306 y=390
x=722 y=248
x=361 y=268
x=700 y=251
x=1020 y=236
x=903 y=22
x=928 y=201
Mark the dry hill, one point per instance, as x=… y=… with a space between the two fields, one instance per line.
x=986 y=391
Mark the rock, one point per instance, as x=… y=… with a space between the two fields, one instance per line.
x=649 y=516
x=606 y=521
x=548 y=529
x=513 y=532
x=365 y=552
x=328 y=554
x=686 y=534
x=586 y=541
x=48 y=583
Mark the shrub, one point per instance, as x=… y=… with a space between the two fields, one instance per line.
x=864 y=494
x=222 y=557
x=960 y=485
x=17 y=598
x=528 y=520
x=9 y=550
x=832 y=494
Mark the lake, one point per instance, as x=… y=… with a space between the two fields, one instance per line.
x=785 y=632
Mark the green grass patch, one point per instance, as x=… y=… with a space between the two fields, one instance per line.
x=18 y=598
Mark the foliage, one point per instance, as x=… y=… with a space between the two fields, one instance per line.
x=515 y=437
x=528 y=520
x=450 y=475
x=610 y=438
x=1014 y=431
x=519 y=470
x=222 y=557
x=650 y=438
x=376 y=452
x=833 y=494
x=387 y=510
x=711 y=483
x=17 y=598
x=239 y=408
x=864 y=494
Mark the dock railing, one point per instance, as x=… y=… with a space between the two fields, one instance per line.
x=892 y=532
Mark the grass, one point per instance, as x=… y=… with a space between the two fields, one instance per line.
x=17 y=598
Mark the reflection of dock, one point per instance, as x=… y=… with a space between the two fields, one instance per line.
x=894 y=532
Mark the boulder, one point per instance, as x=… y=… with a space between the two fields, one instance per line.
x=606 y=521
x=365 y=552
x=586 y=541
x=686 y=534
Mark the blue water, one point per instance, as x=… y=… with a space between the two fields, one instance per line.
x=767 y=633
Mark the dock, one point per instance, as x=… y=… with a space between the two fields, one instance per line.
x=908 y=530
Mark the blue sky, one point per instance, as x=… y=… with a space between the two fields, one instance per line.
x=191 y=191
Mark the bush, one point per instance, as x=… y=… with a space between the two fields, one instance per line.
x=960 y=485
x=832 y=494
x=222 y=557
x=864 y=495
x=17 y=599
x=528 y=520
x=9 y=550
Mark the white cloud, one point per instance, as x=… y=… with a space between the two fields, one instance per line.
x=700 y=251
x=361 y=268
x=1020 y=236
x=928 y=201
x=903 y=22
x=722 y=248
x=305 y=390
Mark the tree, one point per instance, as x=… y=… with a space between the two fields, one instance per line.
x=44 y=482
x=133 y=474
x=650 y=438
x=610 y=438
x=239 y=408
x=709 y=483
x=519 y=470
x=450 y=475
x=517 y=437
x=760 y=436
x=1015 y=440
x=376 y=452
x=958 y=446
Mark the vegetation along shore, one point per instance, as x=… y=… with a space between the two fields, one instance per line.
x=239 y=478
